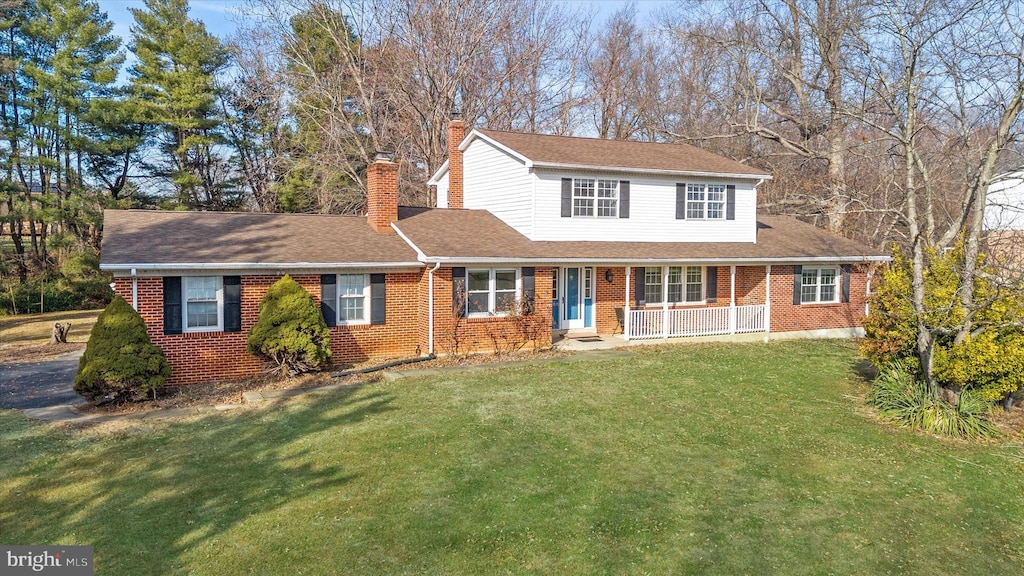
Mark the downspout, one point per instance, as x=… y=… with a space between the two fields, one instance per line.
x=135 y=290
x=867 y=298
x=430 y=308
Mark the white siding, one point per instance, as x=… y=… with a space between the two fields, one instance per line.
x=651 y=214
x=1005 y=209
x=442 y=191
x=495 y=181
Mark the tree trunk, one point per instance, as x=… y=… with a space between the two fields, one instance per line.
x=60 y=333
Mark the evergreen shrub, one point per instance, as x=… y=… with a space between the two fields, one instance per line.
x=290 y=334
x=120 y=362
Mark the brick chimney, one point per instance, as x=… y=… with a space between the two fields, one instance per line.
x=382 y=193
x=456 y=132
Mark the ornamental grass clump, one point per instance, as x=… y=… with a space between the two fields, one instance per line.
x=901 y=395
x=290 y=334
x=120 y=363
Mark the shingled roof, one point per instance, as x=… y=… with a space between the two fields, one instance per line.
x=162 y=239
x=617 y=155
x=478 y=235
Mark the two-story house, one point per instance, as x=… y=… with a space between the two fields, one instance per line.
x=533 y=235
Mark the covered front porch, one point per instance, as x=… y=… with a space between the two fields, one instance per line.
x=672 y=300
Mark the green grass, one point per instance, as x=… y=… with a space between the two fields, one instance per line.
x=739 y=459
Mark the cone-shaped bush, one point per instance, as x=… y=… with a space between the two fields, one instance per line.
x=120 y=361
x=290 y=334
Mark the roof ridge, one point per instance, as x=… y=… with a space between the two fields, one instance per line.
x=594 y=139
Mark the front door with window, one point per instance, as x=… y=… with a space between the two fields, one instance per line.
x=574 y=283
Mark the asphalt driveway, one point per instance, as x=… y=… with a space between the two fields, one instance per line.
x=40 y=384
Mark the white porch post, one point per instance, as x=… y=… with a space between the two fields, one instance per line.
x=732 y=299
x=767 y=300
x=664 y=302
x=625 y=320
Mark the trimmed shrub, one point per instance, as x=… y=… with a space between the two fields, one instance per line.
x=120 y=362
x=901 y=395
x=290 y=334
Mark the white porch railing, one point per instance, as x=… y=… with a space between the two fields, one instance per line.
x=683 y=322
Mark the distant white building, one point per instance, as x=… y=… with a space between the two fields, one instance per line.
x=1005 y=208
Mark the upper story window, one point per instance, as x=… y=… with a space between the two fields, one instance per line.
x=490 y=291
x=592 y=197
x=681 y=284
x=353 y=299
x=203 y=303
x=705 y=201
x=818 y=285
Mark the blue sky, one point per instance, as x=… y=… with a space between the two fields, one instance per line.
x=220 y=15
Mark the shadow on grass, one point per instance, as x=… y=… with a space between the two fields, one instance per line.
x=865 y=370
x=144 y=498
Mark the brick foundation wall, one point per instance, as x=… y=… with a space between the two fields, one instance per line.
x=205 y=356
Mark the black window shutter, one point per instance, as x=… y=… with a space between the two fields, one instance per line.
x=730 y=202
x=844 y=295
x=641 y=288
x=566 y=198
x=329 y=298
x=624 y=199
x=459 y=291
x=172 y=304
x=712 y=284
x=680 y=201
x=378 y=301
x=798 y=282
x=529 y=288
x=232 y=303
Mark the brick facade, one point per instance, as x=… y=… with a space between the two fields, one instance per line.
x=215 y=355
x=454 y=335
x=205 y=356
x=750 y=290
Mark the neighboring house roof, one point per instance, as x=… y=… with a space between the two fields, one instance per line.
x=1004 y=208
x=479 y=236
x=568 y=152
x=197 y=240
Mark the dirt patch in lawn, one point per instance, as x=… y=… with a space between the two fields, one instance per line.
x=232 y=391
x=1010 y=423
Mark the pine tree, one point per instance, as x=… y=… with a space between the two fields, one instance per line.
x=175 y=80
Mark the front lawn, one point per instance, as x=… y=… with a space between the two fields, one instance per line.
x=711 y=459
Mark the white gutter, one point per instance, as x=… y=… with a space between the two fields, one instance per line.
x=622 y=261
x=430 y=307
x=256 y=265
x=703 y=174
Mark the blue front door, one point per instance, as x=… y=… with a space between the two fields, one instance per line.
x=571 y=299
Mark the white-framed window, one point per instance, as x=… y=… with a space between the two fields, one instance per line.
x=592 y=197
x=705 y=201
x=652 y=285
x=491 y=291
x=681 y=284
x=353 y=299
x=818 y=285
x=203 y=303
x=588 y=283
